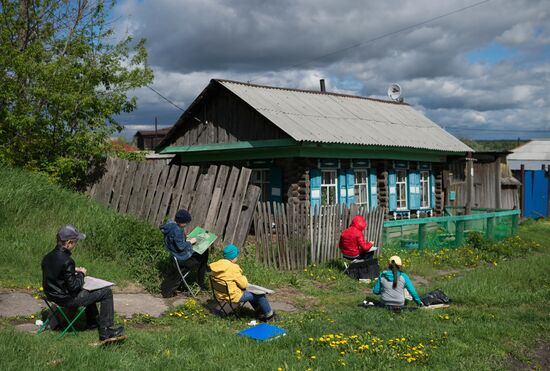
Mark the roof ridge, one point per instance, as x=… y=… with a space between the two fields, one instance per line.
x=310 y=91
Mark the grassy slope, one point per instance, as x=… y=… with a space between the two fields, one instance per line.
x=118 y=248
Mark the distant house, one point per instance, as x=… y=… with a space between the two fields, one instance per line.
x=530 y=164
x=319 y=147
x=494 y=185
x=149 y=139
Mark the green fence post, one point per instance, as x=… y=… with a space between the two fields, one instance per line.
x=491 y=228
x=459 y=239
x=515 y=224
x=422 y=236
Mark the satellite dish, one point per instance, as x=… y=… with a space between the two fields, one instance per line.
x=395 y=93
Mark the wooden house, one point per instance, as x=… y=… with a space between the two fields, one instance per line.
x=149 y=139
x=319 y=147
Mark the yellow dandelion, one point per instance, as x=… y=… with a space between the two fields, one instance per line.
x=313 y=357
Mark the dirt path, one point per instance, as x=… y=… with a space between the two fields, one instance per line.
x=22 y=303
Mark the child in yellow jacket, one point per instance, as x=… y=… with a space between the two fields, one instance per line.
x=227 y=270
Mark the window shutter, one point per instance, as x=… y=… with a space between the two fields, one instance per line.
x=276 y=184
x=373 y=189
x=414 y=190
x=342 y=188
x=315 y=187
x=432 y=190
x=350 y=183
x=391 y=190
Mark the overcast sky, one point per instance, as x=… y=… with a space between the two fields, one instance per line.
x=480 y=73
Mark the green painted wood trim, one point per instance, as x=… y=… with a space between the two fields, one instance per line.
x=256 y=144
x=284 y=148
x=442 y=219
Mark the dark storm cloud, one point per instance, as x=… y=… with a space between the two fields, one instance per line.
x=279 y=42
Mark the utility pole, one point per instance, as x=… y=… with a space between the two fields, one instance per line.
x=469 y=183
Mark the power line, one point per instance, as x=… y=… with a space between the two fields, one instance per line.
x=361 y=43
x=391 y=33
x=430 y=20
x=166 y=99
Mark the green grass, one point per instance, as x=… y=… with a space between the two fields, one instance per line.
x=500 y=293
x=497 y=311
x=119 y=247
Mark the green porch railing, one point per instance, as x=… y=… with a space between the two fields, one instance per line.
x=451 y=231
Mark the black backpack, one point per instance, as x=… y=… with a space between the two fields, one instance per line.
x=435 y=297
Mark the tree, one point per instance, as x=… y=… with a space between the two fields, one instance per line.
x=63 y=81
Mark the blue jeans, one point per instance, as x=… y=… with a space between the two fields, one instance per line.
x=259 y=302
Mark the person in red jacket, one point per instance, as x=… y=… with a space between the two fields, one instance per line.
x=352 y=243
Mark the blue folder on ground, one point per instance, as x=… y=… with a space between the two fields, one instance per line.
x=263 y=331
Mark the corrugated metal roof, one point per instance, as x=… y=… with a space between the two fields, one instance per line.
x=335 y=118
x=535 y=150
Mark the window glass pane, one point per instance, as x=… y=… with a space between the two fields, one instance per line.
x=361 y=187
x=401 y=188
x=425 y=189
x=260 y=177
x=328 y=187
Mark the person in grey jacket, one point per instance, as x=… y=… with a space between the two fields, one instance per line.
x=175 y=241
x=392 y=283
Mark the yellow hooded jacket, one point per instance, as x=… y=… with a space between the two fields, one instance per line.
x=231 y=273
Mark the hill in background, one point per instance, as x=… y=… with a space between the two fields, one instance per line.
x=493 y=145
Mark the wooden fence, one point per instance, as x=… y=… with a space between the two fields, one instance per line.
x=291 y=236
x=219 y=199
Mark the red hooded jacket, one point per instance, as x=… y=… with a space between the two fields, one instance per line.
x=352 y=242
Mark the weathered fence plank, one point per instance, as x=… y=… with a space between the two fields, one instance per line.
x=236 y=205
x=221 y=200
x=290 y=236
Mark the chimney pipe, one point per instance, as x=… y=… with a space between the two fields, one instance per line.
x=322 y=82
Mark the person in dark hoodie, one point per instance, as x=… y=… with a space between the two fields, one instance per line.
x=352 y=243
x=391 y=286
x=175 y=241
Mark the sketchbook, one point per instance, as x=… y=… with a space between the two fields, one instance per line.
x=258 y=290
x=92 y=283
x=204 y=239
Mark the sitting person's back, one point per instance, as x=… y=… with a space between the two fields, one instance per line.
x=230 y=272
x=227 y=270
x=175 y=241
x=392 y=283
x=352 y=243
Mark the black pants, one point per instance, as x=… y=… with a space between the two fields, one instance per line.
x=369 y=255
x=197 y=262
x=89 y=299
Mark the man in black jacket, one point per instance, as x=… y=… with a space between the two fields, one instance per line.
x=63 y=284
